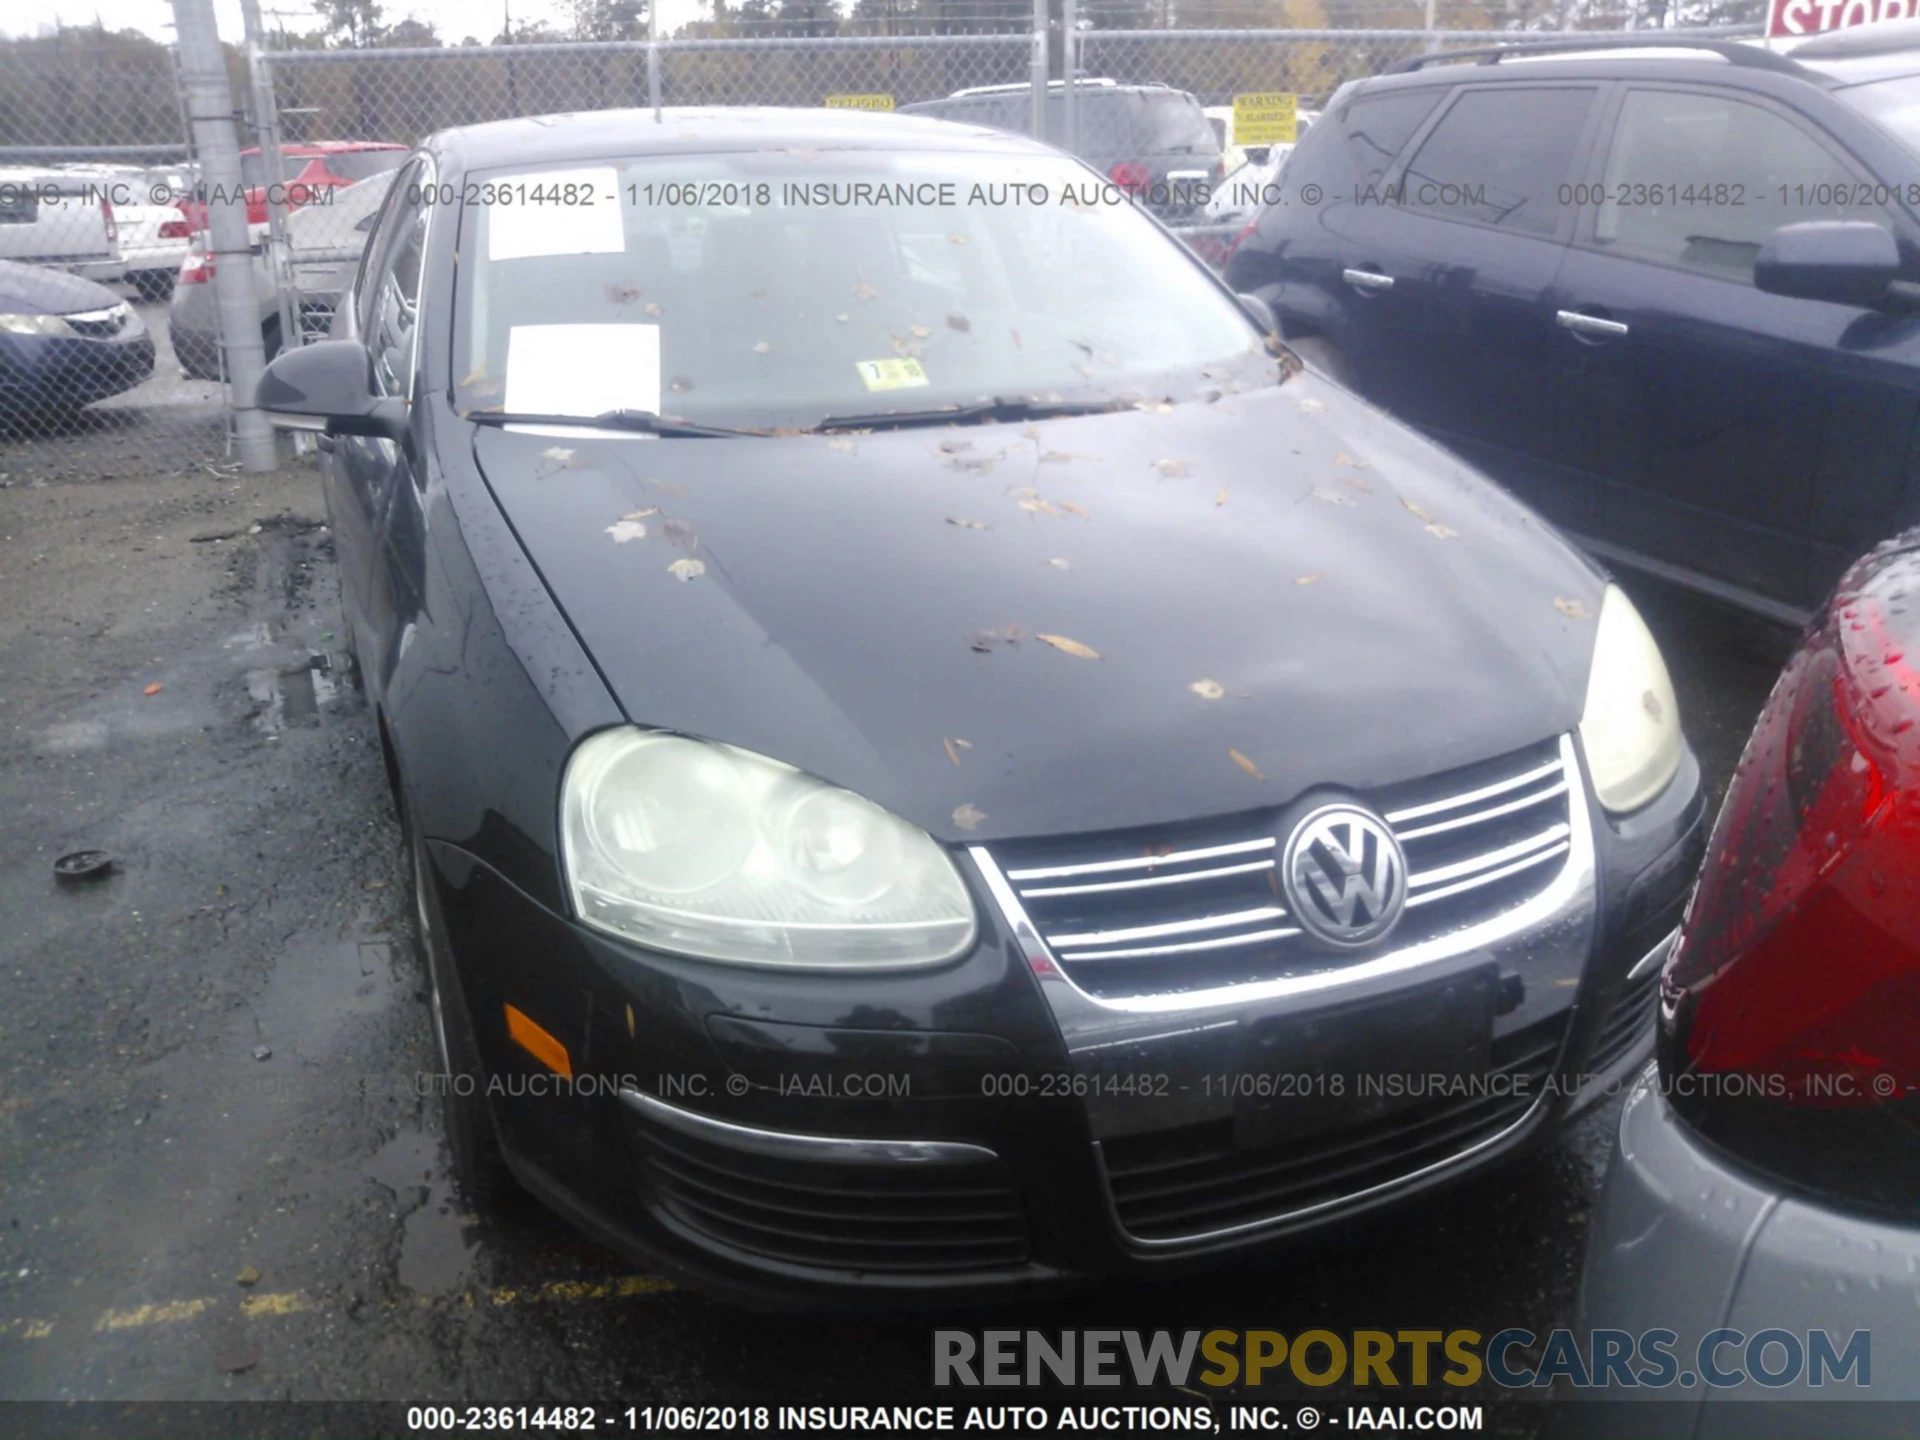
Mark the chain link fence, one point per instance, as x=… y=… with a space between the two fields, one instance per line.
x=111 y=338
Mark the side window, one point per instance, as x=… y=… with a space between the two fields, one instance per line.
x=1499 y=156
x=379 y=230
x=394 y=300
x=1699 y=181
x=1376 y=128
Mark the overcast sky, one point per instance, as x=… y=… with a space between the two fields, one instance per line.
x=454 y=19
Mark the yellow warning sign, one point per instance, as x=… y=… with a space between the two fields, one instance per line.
x=1264 y=119
x=859 y=102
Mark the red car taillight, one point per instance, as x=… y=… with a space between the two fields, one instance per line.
x=106 y=216
x=1133 y=176
x=195 y=270
x=1790 y=1010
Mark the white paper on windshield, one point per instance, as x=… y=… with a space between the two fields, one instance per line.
x=582 y=369
x=544 y=214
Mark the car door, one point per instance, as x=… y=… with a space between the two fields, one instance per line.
x=366 y=469
x=1450 y=269
x=1704 y=410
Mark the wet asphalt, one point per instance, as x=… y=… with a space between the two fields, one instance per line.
x=217 y=1178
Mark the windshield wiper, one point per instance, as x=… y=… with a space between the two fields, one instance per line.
x=640 y=422
x=1001 y=409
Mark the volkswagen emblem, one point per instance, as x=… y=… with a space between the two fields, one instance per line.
x=1344 y=875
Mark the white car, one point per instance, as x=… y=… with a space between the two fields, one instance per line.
x=154 y=233
x=60 y=219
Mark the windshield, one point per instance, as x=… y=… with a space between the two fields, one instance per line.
x=1894 y=103
x=779 y=290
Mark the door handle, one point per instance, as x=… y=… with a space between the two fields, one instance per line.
x=1591 y=327
x=1371 y=281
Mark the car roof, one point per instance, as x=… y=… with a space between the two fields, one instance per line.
x=596 y=134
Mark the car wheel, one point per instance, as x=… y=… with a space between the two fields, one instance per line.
x=1322 y=357
x=478 y=1166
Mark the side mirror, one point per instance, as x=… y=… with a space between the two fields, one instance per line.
x=1850 y=262
x=328 y=386
x=1261 y=312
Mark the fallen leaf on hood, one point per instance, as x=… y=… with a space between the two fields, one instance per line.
x=1220 y=498
x=1333 y=497
x=1573 y=609
x=1311 y=407
x=1245 y=764
x=1306 y=579
x=862 y=291
x=1073 y=509
x=624 y=530
x=1062 y=457
x=1060 y=563
x=153 y=689
x=1208 y=689
x=968 y=524
x=1171 y=469
x=631 y=1028
x=641 y=514
x=1039 y=507
x=561 y=457
x=1354 y=482
x=954 y=447
x=960 y=323
x=685 y=569
x=918 y=331
x=1072 y=647
x=968 y=818
x=979 y=463
x=1441 y=532
x=1415 y=508
x=679 y=532
x=1345 y=459
x=952 y=749
x=652 y=307
x=761 y=347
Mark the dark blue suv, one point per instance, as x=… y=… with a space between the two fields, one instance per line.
x=1668 y=294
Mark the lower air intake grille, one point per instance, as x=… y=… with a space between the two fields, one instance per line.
x=902 y=1218
x=1192 y=1182
x=1627 y=1023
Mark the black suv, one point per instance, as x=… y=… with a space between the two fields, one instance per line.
x=1151 y=140
x=1665 y=293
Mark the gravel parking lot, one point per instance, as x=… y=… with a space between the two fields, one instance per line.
x=216 y=1179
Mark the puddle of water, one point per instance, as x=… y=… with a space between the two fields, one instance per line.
x=257 y=636
x=290 y=696
x=436 y=1255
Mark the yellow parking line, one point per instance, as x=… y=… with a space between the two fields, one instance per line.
x=288 y=1302
x=144 y=1315
x=567 y=1290
x=27 y=1329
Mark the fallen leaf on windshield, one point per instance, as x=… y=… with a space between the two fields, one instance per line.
x=1306 y=579
x=1062 y=457
x=1354 y=482
x=1071 y=647
x=950 y=746
x=1038 y=507
x=652 y=307
x=1220 y=498
x=473 y=375
x=1208 y=689
x=968 y=524
x=641 y=514
x=1311 y=407
x=1573 y=609
x=623 y=292
x=1172 y=469
x=761 y=347
x=960 y=323
x=863 y=291
x=153 y=689
x=1415 y=508
x=1441 y=532
x=679 y=532
x=842 y=444
x=560 y=457
x=1245 y=764
x=919 y=332
x=624 y=530
x=968 y=818
x=1073 y=509
x=1333 y=497
x=1060 y=562
x=685 y=569
x=1345 y=459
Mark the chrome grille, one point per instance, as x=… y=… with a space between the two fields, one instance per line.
x=1199 y=905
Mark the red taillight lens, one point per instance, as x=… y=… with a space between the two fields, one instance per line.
x=195 y=270
x=1790 y=1010
x=106 y=216
x=1133 y=176
x=175 y=229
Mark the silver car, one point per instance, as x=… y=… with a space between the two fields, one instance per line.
x=1761 y=1218
x=324 y=241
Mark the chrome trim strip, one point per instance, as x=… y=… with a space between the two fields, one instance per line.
x=1142 y=862
x=1460 y=822
x=1171 y=927
x=830 y=1149
x=1460 y=887
x=1442 y=873
x=1656 y=957
x=1112 y=885
x=1191 y=947
x=1485 y=792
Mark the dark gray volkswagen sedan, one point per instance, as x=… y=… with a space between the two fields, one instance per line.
x=937 y=759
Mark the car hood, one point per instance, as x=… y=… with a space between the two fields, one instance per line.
x=34 y=290
x=1283 y=588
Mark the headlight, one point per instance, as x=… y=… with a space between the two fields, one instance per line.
x=1631 y=726
x=716 y=852
x=34 y=325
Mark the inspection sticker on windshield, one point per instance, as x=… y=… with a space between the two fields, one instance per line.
x=557 y=212
x=583 y=369
x=891 y=374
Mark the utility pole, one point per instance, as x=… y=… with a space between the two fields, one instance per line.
x=216 y=136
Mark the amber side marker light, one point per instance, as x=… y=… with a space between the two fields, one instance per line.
x=530 y=1037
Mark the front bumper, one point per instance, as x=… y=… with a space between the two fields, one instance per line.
x=1685 y=1240
x=981 y=1130
x=73 y=370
